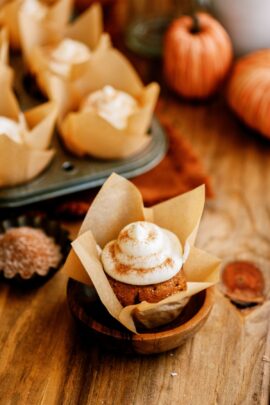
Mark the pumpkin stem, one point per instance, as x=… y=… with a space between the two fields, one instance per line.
x=196 y=26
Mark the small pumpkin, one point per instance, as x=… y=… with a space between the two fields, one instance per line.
x=249 y=90
x=197 y=55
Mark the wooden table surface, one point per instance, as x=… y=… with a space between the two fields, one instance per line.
x=43 y=359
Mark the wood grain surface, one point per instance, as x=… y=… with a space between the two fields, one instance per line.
x=43 y=358
x=45 y=361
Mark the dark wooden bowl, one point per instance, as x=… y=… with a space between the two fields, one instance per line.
x=99 y=325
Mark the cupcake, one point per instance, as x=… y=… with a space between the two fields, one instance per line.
x=112 y=105
x=24 y=137
x=66 y=55
x=142 y=261
x=41 y=19
x=108 y=113
x=62 y=56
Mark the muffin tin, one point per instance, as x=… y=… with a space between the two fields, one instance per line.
x=67 y=173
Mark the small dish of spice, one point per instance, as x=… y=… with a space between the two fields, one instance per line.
x=31 y=249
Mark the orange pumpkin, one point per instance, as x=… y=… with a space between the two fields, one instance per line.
x=197 y=55
x=249 y=90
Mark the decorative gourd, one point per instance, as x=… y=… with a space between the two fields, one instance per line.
x=249 y=90
x=197 y=55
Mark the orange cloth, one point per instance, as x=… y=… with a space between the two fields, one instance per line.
x=181 y=170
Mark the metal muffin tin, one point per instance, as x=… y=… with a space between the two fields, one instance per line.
x=68 y=174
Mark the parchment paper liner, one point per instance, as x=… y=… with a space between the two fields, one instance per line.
x=87 y=28
x=6 y=73
x=21 y=162
x=87 y=132
x=36 y=29
x=119 y=203
x=4 y=46
x=9 y=18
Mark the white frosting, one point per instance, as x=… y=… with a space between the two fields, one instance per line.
x=34 y=8
x=10 y=128
x=113 y=105
x=143 y=254
x=68 y=52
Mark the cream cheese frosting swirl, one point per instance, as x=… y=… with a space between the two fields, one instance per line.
x=143 y=254
x=66 y=53
x=113 y=105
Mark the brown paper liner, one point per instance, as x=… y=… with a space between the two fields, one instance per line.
x=4 y=46
x=64 y=89
x=119 y=203
x=9 y=18
x=22 y=26
x=20 y=162
x=6 y=73
x=87 y=29
x=69 y=89
x=105 y=141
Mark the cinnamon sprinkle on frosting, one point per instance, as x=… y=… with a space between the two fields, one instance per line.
x=143 y=254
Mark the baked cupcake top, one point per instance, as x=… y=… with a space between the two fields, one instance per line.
x=143 y=254
x=113 y=105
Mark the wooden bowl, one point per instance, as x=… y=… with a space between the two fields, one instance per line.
x=98 y=324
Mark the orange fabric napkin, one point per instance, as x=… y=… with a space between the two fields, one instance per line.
x=181 y=170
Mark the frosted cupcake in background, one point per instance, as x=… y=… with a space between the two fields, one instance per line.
x=68 y=55
x=25 y=138
x=113 y=105
x=44 y=20
x=107 y=114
